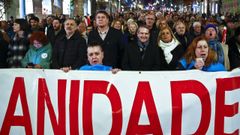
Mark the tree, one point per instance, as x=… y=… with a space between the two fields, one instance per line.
x=4 y=6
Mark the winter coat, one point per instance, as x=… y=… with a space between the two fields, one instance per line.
x=211 y=68
x=41 y=56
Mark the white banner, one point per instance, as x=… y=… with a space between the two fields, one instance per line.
x=88 y=102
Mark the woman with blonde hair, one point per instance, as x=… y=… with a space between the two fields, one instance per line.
x=170 y=49
x=117 y=24
x=131 y=32
x=200 y=56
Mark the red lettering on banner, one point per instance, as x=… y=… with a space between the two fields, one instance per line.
x=101 y=87
x=222 y=110
x=73 y=107
x=144 y=94
x=10 y=119
x=194 y=87
x=44 y=97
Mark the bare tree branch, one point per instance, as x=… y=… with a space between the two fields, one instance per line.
x=4 y=6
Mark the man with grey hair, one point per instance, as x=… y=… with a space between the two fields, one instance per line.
x=69 y=51
x=196 y=30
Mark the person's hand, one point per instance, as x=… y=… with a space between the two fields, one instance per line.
x=115 y=70
x=66 y=69
x=199 y=63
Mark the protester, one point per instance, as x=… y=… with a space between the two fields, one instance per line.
x=141 y=53
x=19 y=43
x=34 y=24
x=150 y=23
x=117 y=24
x=161 y=23
x=170 y=49
x=95 y=56
x=196 y=30
x=56 y=32
x=181 y=34
x=200 y=56
x=215 y=44
x=70 y=50
x=110 y=39
x=82 y=28
x=40 y=52
x=49 y=24
x=7 y=30
x=3 y=51
x=131 y=32
x=114 y=42
x=234 y=49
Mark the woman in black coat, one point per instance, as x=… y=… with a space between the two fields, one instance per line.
x=170 y=49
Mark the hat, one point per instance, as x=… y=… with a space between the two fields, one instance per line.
x=210 y=26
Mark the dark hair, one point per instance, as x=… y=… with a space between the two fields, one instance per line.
x=58 y=19
x=103 y=12
x=34 y=18
x=23 y=24
x=95 y=44
x=39 y=36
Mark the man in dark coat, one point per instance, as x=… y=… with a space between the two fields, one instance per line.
x=34 y=25
x=150 y=20
x=111 y=40
x=56 y=32
x=182 y=35
x=234 y=49
x=69 y=51
x=141 y=54
x=3 y=51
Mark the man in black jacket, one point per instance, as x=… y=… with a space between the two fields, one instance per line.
x=234 y=49
x=3 y=51
x=69 y=51
x=111 y=40
x=150 y=20
x=56 y=32
x=141 y=54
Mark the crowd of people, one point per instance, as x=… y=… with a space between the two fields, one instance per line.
x=139 y=41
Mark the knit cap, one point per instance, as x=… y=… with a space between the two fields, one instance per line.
x=210 y=26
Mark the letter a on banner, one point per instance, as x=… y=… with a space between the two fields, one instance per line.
x=144 y=94
x=12 y=120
